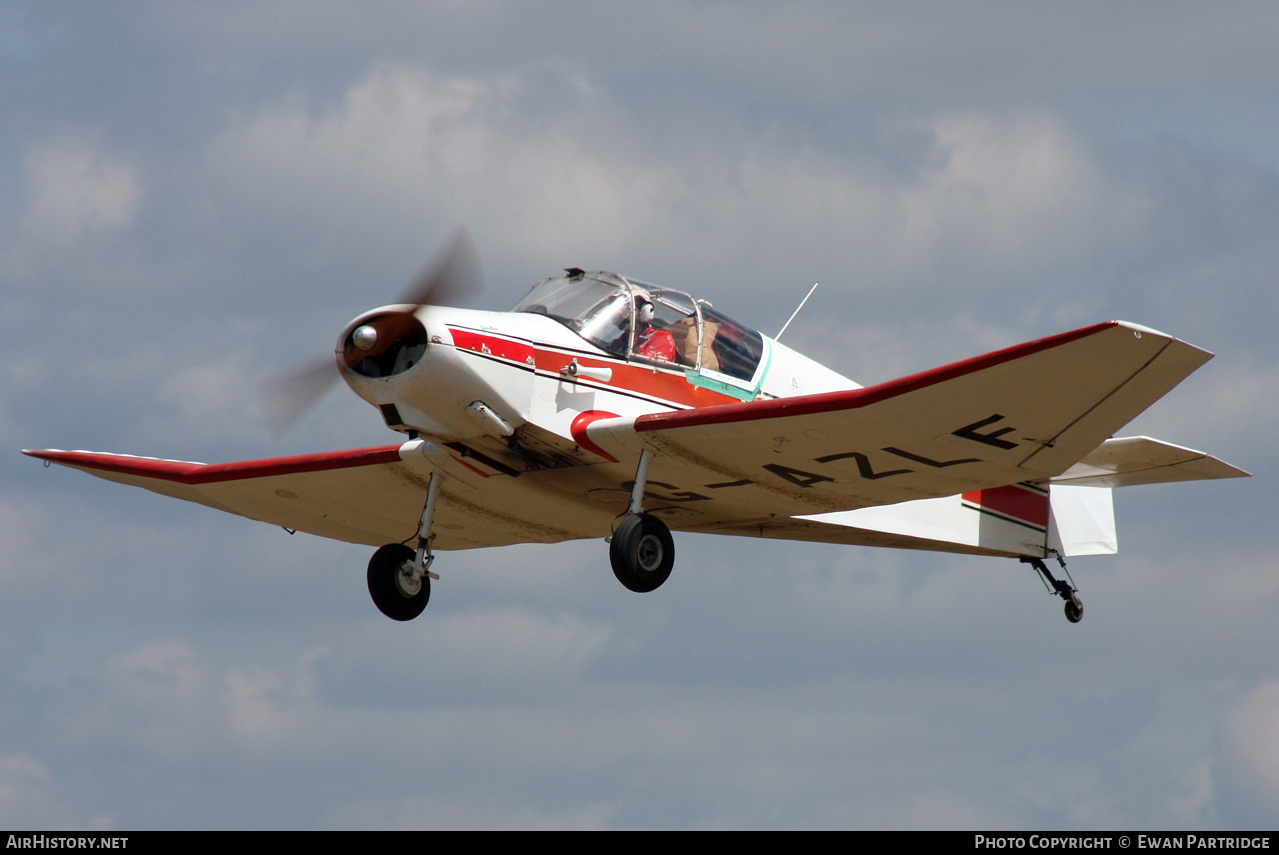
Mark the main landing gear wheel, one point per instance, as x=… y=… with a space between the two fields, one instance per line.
x=642 y=553
x=394 y=590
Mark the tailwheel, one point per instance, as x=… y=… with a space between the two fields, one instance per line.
x=398 y=593
x=642 y=553
x=1066 y=590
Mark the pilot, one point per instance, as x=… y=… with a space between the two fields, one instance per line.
x=651 y=342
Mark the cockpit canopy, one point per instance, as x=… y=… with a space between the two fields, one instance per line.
x=637 y=321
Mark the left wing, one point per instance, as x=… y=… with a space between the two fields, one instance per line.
x=365 y=495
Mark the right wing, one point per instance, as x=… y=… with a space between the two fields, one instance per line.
x=1023 y=414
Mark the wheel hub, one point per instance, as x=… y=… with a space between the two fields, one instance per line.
x=649 y=553
x=406 y=583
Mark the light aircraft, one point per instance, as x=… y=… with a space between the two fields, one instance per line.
x=602 y=406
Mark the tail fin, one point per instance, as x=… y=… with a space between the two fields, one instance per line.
x=1038 y=519
x=1082 y=521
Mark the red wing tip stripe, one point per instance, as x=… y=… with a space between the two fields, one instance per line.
x=850 y=399
x=186 y=472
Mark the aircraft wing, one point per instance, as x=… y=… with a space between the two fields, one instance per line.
x=1024 y=414
x=365 y=495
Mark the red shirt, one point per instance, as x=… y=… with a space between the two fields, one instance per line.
x=656 y=344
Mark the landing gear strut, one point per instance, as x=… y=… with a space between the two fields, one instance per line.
x=399 y=577
x=641 y=550
x=1066 y=590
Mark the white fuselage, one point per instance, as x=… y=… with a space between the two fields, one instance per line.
x=514 y=365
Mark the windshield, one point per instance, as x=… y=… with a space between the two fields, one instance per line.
x=595 y=306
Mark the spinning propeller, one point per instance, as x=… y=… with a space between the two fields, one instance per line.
x=454 y=274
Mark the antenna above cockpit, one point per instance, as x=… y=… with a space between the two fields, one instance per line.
x=778 y=337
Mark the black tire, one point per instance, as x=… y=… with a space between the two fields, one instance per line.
x=642 y=553
x=1074 y=610
x=384 y=587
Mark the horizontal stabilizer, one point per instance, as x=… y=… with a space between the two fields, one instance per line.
x=1127 y=461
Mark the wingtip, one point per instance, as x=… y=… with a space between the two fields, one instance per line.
x=55 y=455
x=1141 y=329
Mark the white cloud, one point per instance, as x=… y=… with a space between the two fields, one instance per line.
x=405 y=149
x=163 y=699
x=1021 y=190
x=32 y=797
x=208 y=394
x=477 y=652
x=73 y=187
x=992 y=198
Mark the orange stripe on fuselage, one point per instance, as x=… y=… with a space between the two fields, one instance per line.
x=667 y=385
x=662 y=385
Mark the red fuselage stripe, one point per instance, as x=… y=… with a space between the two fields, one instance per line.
x=659 y=384
x=1013 y=501
x=513 y=350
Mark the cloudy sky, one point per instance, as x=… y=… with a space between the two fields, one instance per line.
x=196 y=196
